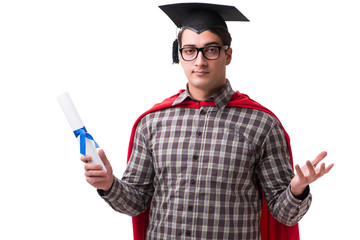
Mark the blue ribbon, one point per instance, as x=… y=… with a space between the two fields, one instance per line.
x=84 y=134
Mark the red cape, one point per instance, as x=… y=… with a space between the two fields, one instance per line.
x=270 y=228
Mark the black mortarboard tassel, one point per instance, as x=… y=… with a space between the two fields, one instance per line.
x=175 y=51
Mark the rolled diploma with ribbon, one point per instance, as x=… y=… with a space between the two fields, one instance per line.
x=87 y=143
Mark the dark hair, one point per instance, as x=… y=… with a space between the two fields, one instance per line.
x=221 y=32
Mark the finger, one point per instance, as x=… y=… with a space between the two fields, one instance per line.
x=92 y=167
x=310 y=169
x=321 y=171
x=328 y=168
x=85 y=159
x=299 y=172
x=95 y=173
x=104 y=158
x=318 y=158
x=95 y=180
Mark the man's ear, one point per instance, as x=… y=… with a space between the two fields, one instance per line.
x=228 y=56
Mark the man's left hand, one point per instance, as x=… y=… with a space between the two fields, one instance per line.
x=309 y=173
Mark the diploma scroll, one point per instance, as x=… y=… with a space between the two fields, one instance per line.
x=87 y=143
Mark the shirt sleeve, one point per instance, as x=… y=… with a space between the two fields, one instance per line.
x=132 y=194
x=275 y=174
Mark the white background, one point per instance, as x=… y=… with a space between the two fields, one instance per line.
x=300 y=59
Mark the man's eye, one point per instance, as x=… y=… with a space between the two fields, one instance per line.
x=189 y=51
x=211 y=49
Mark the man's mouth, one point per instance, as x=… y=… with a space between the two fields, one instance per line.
x=200 y=73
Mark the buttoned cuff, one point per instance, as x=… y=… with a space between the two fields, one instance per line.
x=304 y=195
x=300 y=200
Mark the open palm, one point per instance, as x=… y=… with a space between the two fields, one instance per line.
x=309 y=173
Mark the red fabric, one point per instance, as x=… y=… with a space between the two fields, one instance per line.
x=270 y=228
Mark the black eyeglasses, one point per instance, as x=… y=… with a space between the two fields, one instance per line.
x=210 y=53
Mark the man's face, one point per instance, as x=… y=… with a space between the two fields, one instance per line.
x=204 y=75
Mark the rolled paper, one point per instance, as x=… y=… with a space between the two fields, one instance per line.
x=87 y=143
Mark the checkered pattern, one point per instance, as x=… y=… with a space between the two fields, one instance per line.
x=203 y=170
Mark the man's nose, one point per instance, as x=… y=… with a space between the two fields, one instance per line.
x=200 y=59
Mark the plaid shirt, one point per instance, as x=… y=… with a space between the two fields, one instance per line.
x=203 y=170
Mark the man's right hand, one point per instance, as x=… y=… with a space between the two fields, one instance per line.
x=95 y=175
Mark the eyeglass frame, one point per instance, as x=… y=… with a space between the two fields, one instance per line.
x=225 y=48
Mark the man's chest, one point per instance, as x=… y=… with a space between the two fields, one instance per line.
x=208 y=142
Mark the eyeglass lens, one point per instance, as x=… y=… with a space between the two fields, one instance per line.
x=211 y=52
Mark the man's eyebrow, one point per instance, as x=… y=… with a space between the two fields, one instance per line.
x=212 y=43
x=189 y=45
x=207 y=44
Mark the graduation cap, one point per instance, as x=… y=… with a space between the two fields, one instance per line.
x=200 y=17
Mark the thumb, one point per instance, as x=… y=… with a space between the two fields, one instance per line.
x=104 y=159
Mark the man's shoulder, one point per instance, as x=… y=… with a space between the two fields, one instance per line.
x=165 y=104
x=252 y=118
x=252 y=107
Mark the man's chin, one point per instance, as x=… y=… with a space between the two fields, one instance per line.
x=200 y=83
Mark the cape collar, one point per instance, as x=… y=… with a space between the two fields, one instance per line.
x=221 y=98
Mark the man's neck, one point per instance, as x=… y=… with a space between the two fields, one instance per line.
x=203 y=94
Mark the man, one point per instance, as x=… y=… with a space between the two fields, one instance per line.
x=205 y=158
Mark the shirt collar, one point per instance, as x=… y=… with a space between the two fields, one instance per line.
x=221 y=98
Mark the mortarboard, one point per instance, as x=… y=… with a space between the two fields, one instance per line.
x=200 y=17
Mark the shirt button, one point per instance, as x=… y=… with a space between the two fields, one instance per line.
x=199 y=133
x=192 y=182
x=195 y=157
x=202 y=112
x=190 y=208
x=188 y=233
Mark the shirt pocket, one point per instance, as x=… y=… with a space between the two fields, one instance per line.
x=232 y=158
